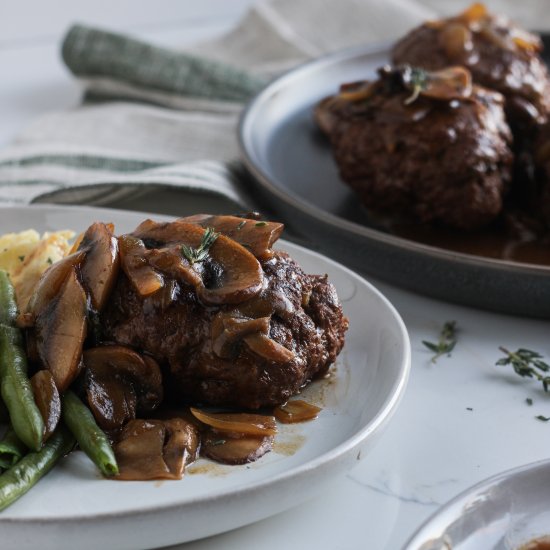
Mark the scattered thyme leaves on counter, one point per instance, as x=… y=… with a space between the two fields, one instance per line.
x=542 y=418
x=194 y=255
x=527 y=363
x=446 y=342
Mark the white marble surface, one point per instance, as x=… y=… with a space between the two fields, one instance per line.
x=436 y=446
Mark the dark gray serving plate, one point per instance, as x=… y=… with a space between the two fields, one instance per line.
x=298 y=179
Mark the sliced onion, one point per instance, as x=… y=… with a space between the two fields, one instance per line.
x=238 y=423
x=296 y=411
x=156 y=449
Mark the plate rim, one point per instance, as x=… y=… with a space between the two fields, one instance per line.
x=339 y=452
x=418 y=538
x=245 y=124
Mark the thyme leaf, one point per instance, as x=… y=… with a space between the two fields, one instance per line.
x=445 y=343
x=527 y=364
x=194 y=255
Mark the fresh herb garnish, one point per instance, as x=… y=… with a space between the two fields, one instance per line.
x=542 y=418
x=49 y=260
x=261 y=224
x=526 y=363
x=21 y=258
x=529 y=401
x=417 y=81
x=194 y=255
x=446 y=342
x=241 y=225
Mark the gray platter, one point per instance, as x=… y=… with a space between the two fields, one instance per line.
x=298 y=181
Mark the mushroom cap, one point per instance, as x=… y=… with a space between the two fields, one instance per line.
x=232 y=273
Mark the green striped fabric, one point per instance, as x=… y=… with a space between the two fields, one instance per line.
x=95 y=53
x=144 y=95
x=154 y=121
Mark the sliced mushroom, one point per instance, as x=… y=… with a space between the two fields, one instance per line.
x=230 y=450
x=182 y=447
x=141 y=274
x=256 y=236
x=100 y=267
x=50 y=284
x=60 y=330
x=156 y=449
x=268 y=348
x=445 y=85
x=120 y=383
x=267 y=303
x=238 y=274
x=170 y=262
x=47 y=400
x=112 y=401
x=238 y=423
x=450 y=83
x=227 y=330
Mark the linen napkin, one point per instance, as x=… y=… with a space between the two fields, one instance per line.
x=157 y=127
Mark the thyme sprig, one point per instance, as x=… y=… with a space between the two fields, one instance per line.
x=445 y=343
x=194 y=255
x=527 y=363
x=417 y=80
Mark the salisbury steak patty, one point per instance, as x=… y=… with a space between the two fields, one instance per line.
x=252 y=354
x=424 y=145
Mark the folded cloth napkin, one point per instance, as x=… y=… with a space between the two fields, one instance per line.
x=155 y=122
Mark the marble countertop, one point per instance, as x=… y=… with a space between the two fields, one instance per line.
x=461 y=420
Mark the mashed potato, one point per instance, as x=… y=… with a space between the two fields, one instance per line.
x=26 y=255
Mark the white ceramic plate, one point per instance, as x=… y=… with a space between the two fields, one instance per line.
x=503 y=513
x=73 y=507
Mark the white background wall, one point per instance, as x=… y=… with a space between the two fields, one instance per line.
x=32 y=75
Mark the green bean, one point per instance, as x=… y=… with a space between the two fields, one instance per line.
x=17 y=393
x=8 y=305
x=90 y=437
x=12 y=449
x=16 y=481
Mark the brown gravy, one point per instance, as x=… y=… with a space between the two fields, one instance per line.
x=492 y=242
x=537 y=544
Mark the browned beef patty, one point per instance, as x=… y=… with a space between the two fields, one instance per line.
x=439 y=161
x=173 y=326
